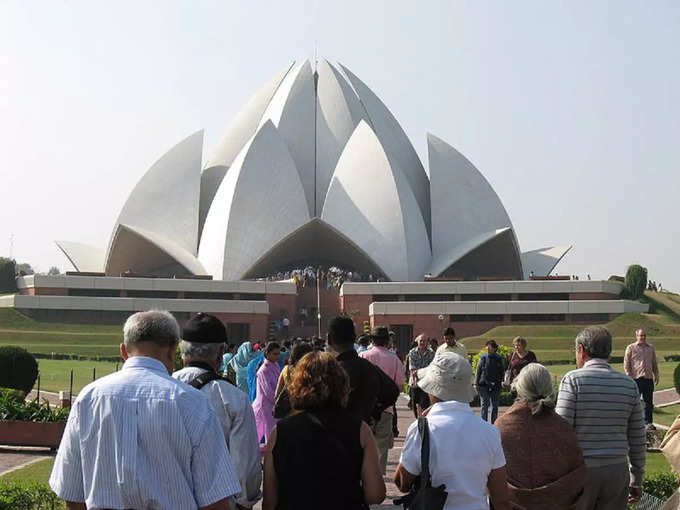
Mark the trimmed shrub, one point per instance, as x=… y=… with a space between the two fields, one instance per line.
x=503 y=350
x=28 y=496
x=676 y=378
x=661 y=485
x=18 y=368
x=13 y=409
x=7 y=275
x=636 y=281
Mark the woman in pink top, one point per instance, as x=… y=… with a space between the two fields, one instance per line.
x=267 y=378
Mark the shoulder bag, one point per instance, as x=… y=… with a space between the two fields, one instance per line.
x=423 y=496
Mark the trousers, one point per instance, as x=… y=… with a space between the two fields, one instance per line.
x=384 y=438
x=646 y=387
x=487 y=397
x=606 y=487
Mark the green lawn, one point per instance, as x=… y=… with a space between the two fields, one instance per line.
x=666 y=415
x=665 y=372
x=37 y=472
x=55 y=374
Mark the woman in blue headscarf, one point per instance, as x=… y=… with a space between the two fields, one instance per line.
x=239 y=363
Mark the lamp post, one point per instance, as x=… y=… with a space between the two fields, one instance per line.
x=318 y=303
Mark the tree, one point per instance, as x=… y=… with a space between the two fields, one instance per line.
x=24 y=267
x=53 y=271
x=636 y=281
x=7 y=273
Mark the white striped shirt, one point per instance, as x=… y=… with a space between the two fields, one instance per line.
x=140 y=439
x=603 y=406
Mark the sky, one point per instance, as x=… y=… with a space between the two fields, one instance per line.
x=571 y=109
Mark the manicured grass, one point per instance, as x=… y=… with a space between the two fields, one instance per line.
x=37 y=472
x=656 y=463
x=665 y=372
x=55 y=374
x=13 y=319
x=666 y=415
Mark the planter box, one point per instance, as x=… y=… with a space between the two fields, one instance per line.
x=31 y=433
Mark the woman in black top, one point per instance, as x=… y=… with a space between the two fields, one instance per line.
x=323 y=457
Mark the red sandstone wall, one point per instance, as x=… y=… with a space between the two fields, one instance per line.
x=360 y=303
x=43 y=291
x=432 y=326
x=279 y=303
x=258 y=322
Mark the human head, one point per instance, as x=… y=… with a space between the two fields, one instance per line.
x=491 y=346
x=341 y=334
x=520 y=343
x=641 y=335
x=422 y=341
x=449 y=337
x=447 y=377
x=534 y=385
x=593 y=342
x=434 y=343
x=154 y=334
x=380 y=336
x=272 y=351
x=203 y=339
x=364 y=340
x=319 y=382
x=298 y=351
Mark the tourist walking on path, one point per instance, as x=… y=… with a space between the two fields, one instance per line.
x=389 y=363
x=450 y=344
x=239 y=363
x=603 y=406
x=490 y=369
x=297 y=352
x=418 y=357
x=544 y=461
x=323 y=457
x=520 y=357
x=639 y=363
x=371 y=390
x=202 y=346
x=267 y=379
x=466 y=454
x=139 y=438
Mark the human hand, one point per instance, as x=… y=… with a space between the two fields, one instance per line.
x=634 y=494
x=656 y=380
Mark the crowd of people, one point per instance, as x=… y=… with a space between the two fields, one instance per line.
x=329 y=277
x=308 y=424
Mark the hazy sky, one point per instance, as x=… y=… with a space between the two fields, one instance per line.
x=570 y=109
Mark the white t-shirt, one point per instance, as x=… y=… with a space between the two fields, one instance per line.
x=463 y=451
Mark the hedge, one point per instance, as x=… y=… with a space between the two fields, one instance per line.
x=18 y=368
x=28 y=496
x=661 y=485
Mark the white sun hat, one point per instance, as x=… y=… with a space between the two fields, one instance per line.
x=448 y=377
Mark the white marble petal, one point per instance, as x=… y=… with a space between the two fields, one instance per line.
x=291 y=110
x=338 y=112
x=143 y=251
x=165 y=200
x=447 y=259
x=381 y=218
x=543 y=261
x=259 y=203
x=83 y=257
x=464 y=205
x=396 y=144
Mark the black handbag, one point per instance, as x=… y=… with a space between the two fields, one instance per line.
x=423 y=496
x=282 y=405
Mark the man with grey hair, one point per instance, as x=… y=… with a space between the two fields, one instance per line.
x=639 y=363
x=603 y=406
x=202 y=346
x=418 y=357
x=139 y=438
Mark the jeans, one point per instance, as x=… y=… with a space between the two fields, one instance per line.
x=489 y=396
x=646 y=387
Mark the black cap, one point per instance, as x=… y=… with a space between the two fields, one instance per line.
x=205 y=329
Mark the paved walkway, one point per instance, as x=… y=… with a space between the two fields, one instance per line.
x=16 y=457
x=666 y=397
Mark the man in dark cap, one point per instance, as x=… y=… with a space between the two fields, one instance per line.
x=391 y=365
x=203 y=343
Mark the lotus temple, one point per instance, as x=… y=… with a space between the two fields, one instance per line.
x=315 y=172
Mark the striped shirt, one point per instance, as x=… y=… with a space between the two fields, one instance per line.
x=603 y=406
x=140 y=439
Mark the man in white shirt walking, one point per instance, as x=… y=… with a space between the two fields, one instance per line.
x=202 y=346
x=139 y=438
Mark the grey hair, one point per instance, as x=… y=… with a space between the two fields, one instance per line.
x=156 y=326
x=596 y=342
x=198 y=350
x=422 y=335
x=534 y=386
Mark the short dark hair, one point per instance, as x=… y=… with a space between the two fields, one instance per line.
x=299 y=350
x=449 y=332
x=341 y=330
x=364 y=340
x=596 y=341
x=492 y=343
x=271 y=347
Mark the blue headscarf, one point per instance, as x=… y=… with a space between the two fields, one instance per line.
x=251 y=372
x=239 y=363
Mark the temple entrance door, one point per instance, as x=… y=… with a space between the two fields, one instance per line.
x=403 y=334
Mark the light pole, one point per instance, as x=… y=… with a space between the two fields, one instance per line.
x=318 y=303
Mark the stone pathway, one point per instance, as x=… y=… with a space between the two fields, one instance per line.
x=16 y=457
x=667 y=397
